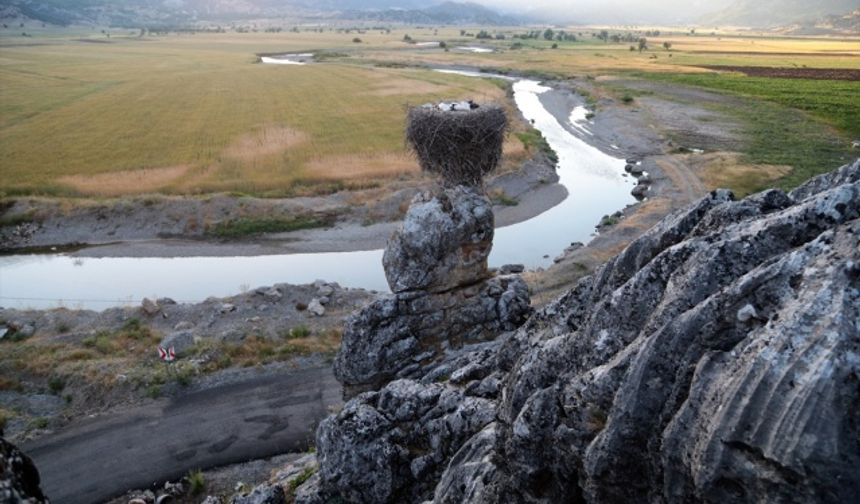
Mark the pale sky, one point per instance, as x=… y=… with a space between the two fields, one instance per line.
x=617 y=11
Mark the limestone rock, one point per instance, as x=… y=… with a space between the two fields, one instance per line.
x=263 y=494
x=149 y=307
x=715 y=359
x=316 y=307
x=443 y=243
x=396 y=335
x=181 y=341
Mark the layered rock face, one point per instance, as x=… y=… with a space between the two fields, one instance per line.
x=716 y=359
x=444 y=296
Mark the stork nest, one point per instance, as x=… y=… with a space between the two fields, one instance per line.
x=461 y=146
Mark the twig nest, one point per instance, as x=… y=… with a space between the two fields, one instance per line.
x=461 y=143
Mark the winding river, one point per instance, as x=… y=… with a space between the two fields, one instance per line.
x=594 y=181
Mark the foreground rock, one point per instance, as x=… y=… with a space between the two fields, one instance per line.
x=19 y=478
x=714 y=360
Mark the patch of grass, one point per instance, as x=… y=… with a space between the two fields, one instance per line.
x=833 y=101
x=39 y=423
x=301 y=479
x=533 y=139
x=243 y=227
x=300 y=331
x=17 y=219
x=8 y=383
x=499 y=197
x=56 y=384
x=627 y=98
x=196 y=482
x=5 y=416
x=153 y=391
x=103 y=342
x=809 y=138
x=184 y=375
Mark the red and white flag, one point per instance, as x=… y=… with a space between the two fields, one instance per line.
x=166 y=354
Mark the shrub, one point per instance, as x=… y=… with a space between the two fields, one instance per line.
x=196 y=482
x=356 y=40
x=56 y=384
x=301 y=331
x=627 y=98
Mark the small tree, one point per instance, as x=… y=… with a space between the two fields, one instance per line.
x=407 y=38
x=643 y=44
x=603 y=35
x=356 y=40
x=548 y=34
x=555 y=45
x=667 y=45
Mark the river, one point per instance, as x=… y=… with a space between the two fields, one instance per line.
x=594 y=181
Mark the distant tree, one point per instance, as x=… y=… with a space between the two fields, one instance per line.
x=356 y=40
x=548 y=34
x=667 y=45
x=555 y=45
x=483 y=34
x=443 y=45
x=632 y=48
x=500 y=36
x=603 y=35
x=643 y=44
x=616 y=38
x=407 y=38
x=462 y=33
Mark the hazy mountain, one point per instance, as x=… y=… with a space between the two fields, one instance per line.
x=178 y=12
x=772 y=13
x=444 y=13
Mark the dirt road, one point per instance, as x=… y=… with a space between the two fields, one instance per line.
x=94 y=460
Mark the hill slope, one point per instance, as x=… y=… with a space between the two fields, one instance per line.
x=770 y=13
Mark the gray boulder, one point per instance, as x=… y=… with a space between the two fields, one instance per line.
x=181 y=341
x=443 y=243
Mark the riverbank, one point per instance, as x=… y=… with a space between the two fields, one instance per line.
x=228 y=225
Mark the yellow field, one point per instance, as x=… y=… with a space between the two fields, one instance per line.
x=196 y=114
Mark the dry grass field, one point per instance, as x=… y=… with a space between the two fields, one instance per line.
x=82 y=114
x=197 y=113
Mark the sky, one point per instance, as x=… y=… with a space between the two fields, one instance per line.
x=615 y=11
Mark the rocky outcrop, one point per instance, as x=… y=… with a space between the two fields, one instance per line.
x=716 y=359
x=19 y=478
x=444 y=296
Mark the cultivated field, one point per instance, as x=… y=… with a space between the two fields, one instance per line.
x=83 y=114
